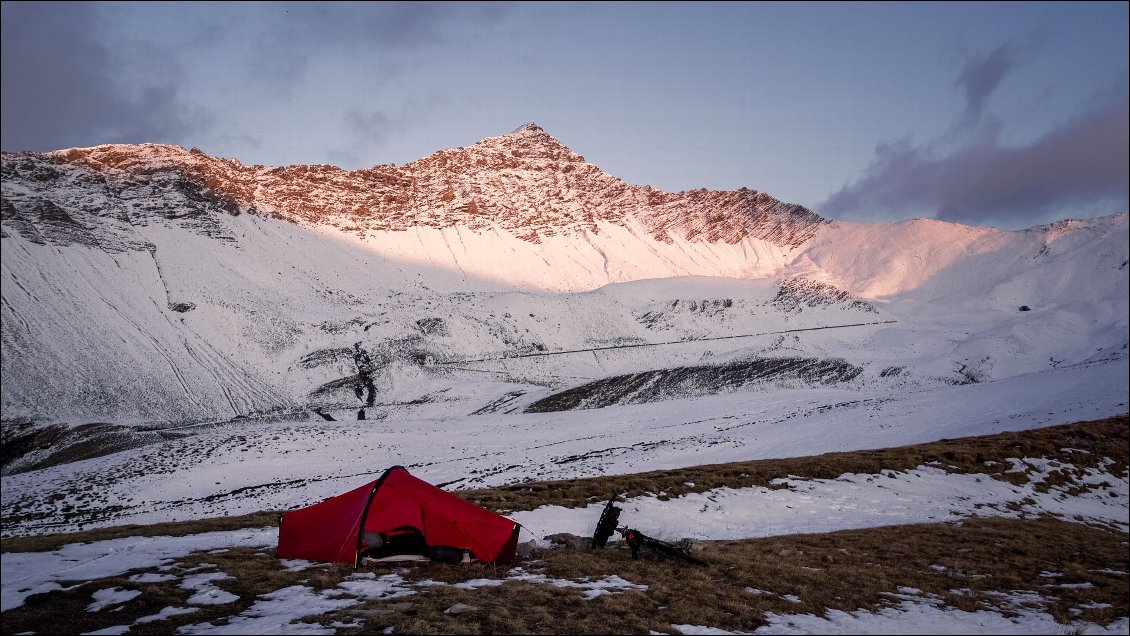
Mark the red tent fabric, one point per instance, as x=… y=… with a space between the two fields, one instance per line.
x=331 y=530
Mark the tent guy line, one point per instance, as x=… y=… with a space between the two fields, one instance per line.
x=658 y=344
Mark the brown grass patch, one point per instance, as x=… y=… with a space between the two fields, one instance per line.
x=971 y=565
x=1083 y=444
x=981 y=563
x=253 y=573
x=985 y=559
x=47 y=542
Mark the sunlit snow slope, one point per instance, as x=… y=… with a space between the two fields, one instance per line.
x=149 y=284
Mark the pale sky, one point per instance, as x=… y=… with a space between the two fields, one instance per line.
x=1006 y=114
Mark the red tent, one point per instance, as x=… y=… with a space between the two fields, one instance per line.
x=332 y=530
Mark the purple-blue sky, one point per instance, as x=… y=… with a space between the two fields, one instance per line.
x=1006 y=114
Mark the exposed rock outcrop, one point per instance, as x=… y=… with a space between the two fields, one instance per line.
x=526 y=183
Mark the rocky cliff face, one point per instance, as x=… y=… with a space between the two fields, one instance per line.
x=525 y=183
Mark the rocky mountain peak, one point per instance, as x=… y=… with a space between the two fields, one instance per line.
x=527 y=142
x=528 y=127
x=525 y=182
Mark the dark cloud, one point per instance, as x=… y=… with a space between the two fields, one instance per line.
x=1082 y=163
x=389 y=35
x=62 y=86
x=372 y=128
x=366 y=131
x=982 y=75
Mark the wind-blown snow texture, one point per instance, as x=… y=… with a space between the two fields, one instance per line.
x=466 y=306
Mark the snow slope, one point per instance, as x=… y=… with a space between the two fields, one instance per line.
x=147 y=284
x=239 y=468
x=490 y=297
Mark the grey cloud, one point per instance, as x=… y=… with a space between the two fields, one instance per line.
x=371 y=128
x=343 y=159
x=64 y=87
x=981 y=76
x=1082 y=163
x=386 y=34
x=366 y=131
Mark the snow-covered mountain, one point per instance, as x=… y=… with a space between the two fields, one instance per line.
x=158 y=286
